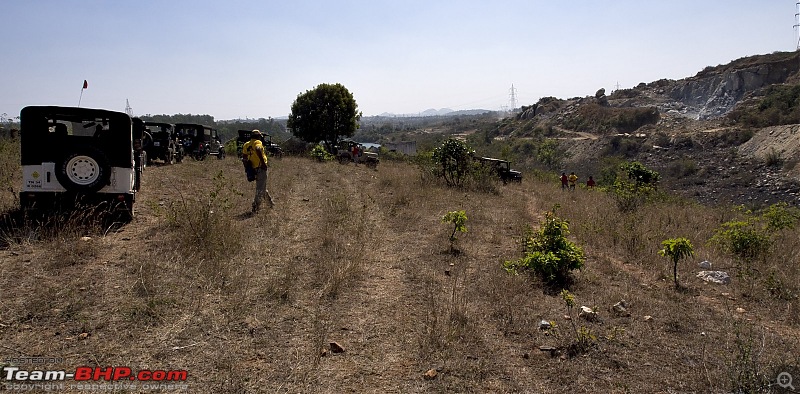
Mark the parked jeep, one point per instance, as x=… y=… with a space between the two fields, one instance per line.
x=344 y=153
x=162 y=144
x=200 y=141
x=272 y=149
x=502 y=168
x=72 y=156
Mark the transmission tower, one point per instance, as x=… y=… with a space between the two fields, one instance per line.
x=128 y=109
x=512 y=97
x=797 y=23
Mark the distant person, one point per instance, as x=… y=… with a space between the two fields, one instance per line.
x=573 y=179
x=355 y=153
x=590 y=182
x=564 y=181
x=253 y=150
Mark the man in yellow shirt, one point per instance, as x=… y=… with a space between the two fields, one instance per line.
x=253 y=151
x=573 y=179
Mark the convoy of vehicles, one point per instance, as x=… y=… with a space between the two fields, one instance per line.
x=73 y=155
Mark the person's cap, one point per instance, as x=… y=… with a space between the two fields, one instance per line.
x=255 y=134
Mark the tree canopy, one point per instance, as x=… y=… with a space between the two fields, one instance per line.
x=324 y=113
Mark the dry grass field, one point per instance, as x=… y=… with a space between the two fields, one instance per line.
x=250 y=304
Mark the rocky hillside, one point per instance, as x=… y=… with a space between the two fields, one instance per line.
x=692 y=130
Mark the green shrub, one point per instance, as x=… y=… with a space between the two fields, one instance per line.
x=773 y=158
x=632 y=185
x=780 y=216
x=599 y=119
x=453 y=160
x=458 y=219
x=676 y=249
x=548 y=253
x=320 y=154
x=682 y=168
x=624 y=146
x=780 y=105
x=744 y=239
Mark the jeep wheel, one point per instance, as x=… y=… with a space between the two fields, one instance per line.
x=221 y=154
x=86 y=169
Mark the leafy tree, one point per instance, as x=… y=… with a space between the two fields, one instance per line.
x=634 y=185
x=453 y=160
x=324 y=113
x=676 y=249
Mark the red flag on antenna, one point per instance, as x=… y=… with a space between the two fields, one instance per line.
x=85 y=84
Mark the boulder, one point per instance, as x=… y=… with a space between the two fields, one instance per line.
x=718 y=277
x=588 y=314
x=620 y=308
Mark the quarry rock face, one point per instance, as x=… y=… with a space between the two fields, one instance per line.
x=715 y=91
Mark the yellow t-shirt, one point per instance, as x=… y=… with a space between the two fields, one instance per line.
x=572 y=179
x=251 y=150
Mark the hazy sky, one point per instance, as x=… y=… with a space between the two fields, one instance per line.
x=251 y=58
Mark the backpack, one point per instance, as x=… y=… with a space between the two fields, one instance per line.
x=249 y=171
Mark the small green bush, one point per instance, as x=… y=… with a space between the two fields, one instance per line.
x=458 y=219
x=676 y=249
x=548 y=252
x=320 y=154
x=744 y=239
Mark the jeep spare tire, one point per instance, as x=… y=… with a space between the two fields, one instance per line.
x=84 y=169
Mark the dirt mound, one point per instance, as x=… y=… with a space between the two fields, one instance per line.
x=779 y=145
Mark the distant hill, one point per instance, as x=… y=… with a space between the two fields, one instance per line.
x=437 y=112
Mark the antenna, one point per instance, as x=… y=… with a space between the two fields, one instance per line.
x=513 y=97
x=128 y=109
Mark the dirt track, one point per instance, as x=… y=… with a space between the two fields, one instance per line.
x=349 y=255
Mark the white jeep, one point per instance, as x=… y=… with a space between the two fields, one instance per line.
x=76 y=156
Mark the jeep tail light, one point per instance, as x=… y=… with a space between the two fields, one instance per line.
x=30 y=196
x=120 y=197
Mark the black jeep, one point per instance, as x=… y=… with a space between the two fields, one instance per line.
x=200 y=141
x=502 y=168
x=162 y=143
x=270 y=148
x=72 y=156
